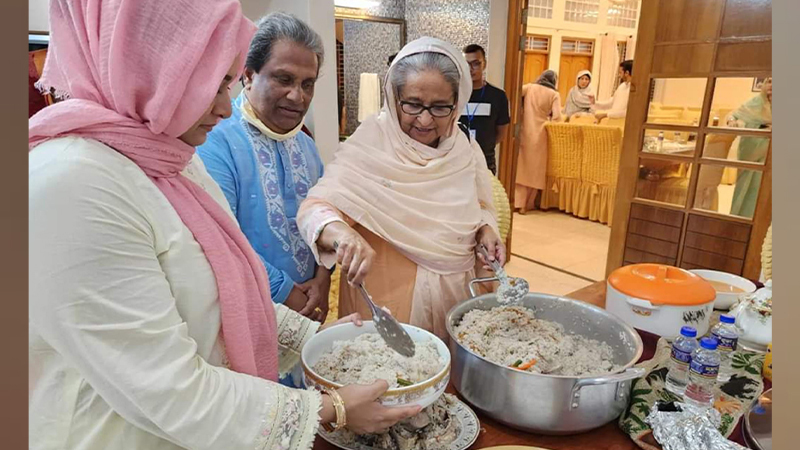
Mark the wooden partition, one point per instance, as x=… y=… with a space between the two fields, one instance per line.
x=672 y=195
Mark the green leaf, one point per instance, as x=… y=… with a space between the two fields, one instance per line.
x=740 y=360
x=642 y=426
x=752 y=370
x=640 y=392
x=725 y=425
x=643 y=409
x=668 y=396
x=627 y=428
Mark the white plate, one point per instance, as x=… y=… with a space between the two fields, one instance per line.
x=469 y=429
x=725 y=300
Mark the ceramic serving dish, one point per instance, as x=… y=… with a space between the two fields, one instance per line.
x=725 y=300
x=660 y=299
x=753 y=316
x=422 y=394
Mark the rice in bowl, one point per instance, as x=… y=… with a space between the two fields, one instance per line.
x=513 y=337
x=367 y=359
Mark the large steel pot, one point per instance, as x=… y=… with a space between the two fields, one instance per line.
x=547 y=404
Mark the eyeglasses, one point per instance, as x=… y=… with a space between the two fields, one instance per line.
x=475 y=65
x=415 y=109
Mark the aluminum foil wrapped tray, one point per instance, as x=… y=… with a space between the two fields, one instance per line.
x=678 y=426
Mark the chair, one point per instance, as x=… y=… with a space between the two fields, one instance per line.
x=333 y=296
x=587 y=119
x=602 y=146
x=502 y=206
x=618 y=122
x=564 y=154
x=670 y=185
x=766 y=256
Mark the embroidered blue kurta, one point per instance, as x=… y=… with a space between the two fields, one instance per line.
x=265 y=181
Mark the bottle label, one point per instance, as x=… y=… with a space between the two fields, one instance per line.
x=681 y=357
x=704 y=370
x=725 y=344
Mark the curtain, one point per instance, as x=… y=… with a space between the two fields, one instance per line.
x=609 y=66
x=630 y=49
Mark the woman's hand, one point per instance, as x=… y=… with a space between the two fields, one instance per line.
x=365 y=415
x=494 y=246
x=354 y=318
x=352 y=251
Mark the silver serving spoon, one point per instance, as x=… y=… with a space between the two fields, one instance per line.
x=388 y=327
x=511 y=289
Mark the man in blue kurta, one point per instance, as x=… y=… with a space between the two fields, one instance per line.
x=266 y=166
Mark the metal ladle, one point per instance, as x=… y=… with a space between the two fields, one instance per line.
x=388 y=327
x=511 y=289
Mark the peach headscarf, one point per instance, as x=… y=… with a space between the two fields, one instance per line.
x=429 y=202
x=138 y=74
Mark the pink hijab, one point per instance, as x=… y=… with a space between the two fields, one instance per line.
x=138 y=74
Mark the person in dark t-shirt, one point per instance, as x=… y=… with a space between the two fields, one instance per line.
x=485 y=118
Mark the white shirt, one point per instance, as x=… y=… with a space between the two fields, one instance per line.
x=617 y=105
x=124 y=320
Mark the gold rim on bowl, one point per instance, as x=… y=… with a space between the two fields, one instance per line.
x=395 y=392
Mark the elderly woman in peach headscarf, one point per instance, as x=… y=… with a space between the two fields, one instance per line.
x=151 y=323
x=408 y=197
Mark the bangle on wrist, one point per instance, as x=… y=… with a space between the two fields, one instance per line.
x=341 y=413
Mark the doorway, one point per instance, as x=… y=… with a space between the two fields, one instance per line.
x=537 y=57
x=678 y=200
x=576 y=55
x=562 y=245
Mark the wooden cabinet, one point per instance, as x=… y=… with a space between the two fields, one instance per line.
x=726 y=44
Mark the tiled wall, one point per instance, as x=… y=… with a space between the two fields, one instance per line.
x=367 y=49
x=369 y=44
x=392 y=9
x=460 y=22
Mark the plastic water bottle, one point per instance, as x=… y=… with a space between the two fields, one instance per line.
x=682 y=349
x=727 y=336
x=660 y=144
x=703 y=371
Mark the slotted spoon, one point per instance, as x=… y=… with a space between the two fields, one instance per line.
x=389 y=328
x=512 y=289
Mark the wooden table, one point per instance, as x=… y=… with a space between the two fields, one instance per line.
x=608 y=437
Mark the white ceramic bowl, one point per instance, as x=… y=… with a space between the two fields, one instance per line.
x=725 y=300
x=422 y=394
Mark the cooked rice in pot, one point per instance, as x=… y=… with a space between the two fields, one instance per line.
x=513 y=337
x=367 y=359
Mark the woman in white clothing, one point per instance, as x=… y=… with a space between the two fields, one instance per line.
x=151 y=325
x=580 y=97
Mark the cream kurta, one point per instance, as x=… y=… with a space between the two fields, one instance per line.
x=539 y=104
x=125 y=349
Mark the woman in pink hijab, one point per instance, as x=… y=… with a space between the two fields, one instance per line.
x=151 y=324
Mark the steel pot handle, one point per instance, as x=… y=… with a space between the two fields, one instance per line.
x=472 y=291
x=630 y=374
